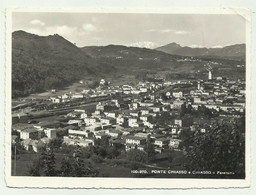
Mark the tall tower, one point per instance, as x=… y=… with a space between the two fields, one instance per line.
x=210 y=75
x=198 y=85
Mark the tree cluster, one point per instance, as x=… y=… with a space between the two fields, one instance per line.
x=73 y=166
x=222 y=148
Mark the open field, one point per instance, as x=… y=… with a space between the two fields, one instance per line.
x=108 y=168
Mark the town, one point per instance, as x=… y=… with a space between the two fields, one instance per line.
x=155 y=117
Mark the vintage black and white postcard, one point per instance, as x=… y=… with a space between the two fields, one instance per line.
x=128 y=98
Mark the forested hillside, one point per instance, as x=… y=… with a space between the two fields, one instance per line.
x=41 y=63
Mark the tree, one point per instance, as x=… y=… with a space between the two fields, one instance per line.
x=137 y=156
x=150 y=150
x=55 y=143
x=112 y=152
x=44 y=165
x=183 y=109
x=66 y=167
x=203 y=111
x=35 y=168
x=187 y=139
x=163 y=119
x=222 y=148
x=80 y=169
x=49 y=162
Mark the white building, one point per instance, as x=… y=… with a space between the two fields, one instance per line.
x=50 y=133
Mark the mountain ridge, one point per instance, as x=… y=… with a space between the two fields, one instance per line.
x=231 y=51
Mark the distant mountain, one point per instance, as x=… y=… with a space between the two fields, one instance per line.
x=229 y=52
x=169 y=48
x=141 y=62
x=134 y=60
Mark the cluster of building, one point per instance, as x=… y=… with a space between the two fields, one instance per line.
x=102 y=91
x=33 y=137
x=132 y=123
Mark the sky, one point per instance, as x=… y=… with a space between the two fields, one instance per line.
x=140 y=29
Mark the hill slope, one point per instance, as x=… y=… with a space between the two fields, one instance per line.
x=141 y=62
x=44 y=62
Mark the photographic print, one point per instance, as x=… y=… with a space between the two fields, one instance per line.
x=127 y=96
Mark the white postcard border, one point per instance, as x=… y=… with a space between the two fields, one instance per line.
x=129 y=183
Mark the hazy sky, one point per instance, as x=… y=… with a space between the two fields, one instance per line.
x=149 y=30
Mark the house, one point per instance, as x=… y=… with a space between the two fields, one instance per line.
x=135 y=91
x=135 y=113
x=162 y=142
x=134 y=142
x=73 y=114
x=195 y=106
x=100 y=135
x=197 y=100
x=144 y=111
x=144 y=135
x=79 y=133
x=81 y=142
x=14 y=139
x=118 y=143
x=134 y=106
x=100 y=106
x=83 y=115
x=212 y=106
x=102 y=82
x=50 y=133
x=121 y=120
x=148 y=124
x=157 y=136
x=65 y=97
x=134 y=146
x=32 y=145
x=139 y=124
x=98 y=113
x=45 y=140
x=146 y=104
x=37 y=145
x=113 y=133
x=132 y=120
x=145 y=117
x=96 y=127
x=174 y=143
x=30 y=133
x=91 y=120
x=110 y=114
x=175 y=130
x=108 y=120
x=143 y=90
x=56 y=99
x=78 y=122
x=184 y=122
x=177 y=104
x=159 y=149
x=156 y=108
x=79 y=110
x=77 y=96
x=177 y=94
x=27 y=144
